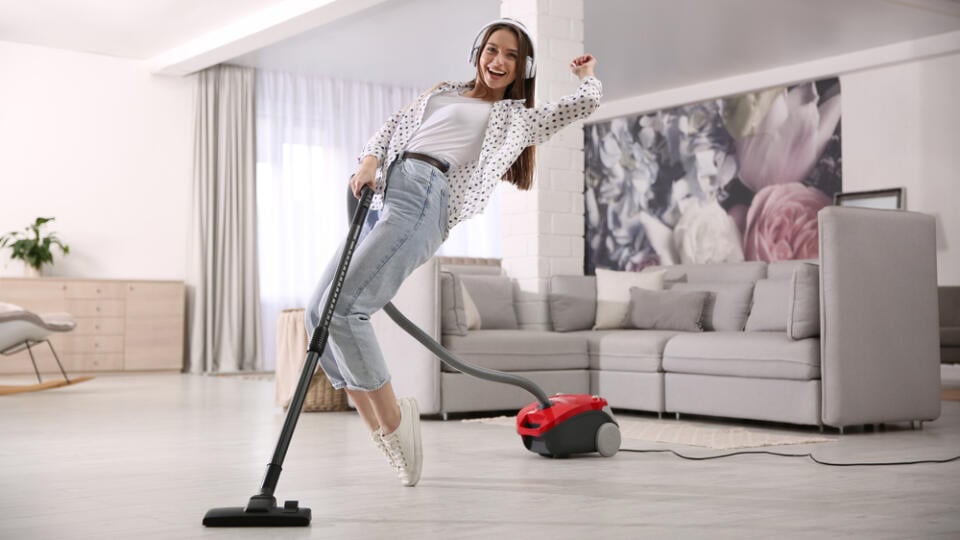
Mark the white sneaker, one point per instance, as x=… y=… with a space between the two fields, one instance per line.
x=404 y=443
x=377 y=437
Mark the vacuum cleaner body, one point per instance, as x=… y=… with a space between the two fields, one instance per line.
x=573 y=424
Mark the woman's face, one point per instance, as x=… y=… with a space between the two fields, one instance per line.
x=499 y=60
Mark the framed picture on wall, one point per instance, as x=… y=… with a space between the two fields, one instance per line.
x=886 y=199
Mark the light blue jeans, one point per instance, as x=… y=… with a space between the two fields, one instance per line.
x=410 y=230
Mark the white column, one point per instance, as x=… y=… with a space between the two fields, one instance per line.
x=543 y=227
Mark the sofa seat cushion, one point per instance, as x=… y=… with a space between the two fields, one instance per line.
x=950 y=335
x=627 y=350
x=519 y=350
x=766 y=355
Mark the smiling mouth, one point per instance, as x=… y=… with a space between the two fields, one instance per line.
x=496 y=73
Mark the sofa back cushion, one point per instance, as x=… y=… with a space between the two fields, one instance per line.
x=771 y=300
x=713 y=273
x=803 y=316
x=613 y=294
x=785 y=269
x=453 y=319
x=493 y=297
x=727 y=306
x=573 y=302
x=454 y=316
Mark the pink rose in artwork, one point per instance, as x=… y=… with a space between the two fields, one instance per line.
x=782 y=223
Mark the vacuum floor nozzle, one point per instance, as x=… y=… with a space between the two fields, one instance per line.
x=291 y=515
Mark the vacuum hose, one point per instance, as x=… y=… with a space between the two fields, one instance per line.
x=446 y=356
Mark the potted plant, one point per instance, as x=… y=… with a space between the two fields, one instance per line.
x=34 y=249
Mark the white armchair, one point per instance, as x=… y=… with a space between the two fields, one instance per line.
x=21 y=329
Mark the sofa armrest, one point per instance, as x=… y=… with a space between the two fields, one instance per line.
x=414 y=371
x=879 y=318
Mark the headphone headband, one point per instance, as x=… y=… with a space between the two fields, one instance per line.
x=531 y=70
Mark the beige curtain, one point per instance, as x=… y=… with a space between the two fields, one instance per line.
x=224 y=312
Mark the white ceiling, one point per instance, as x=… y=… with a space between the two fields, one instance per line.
x=136 y=29
x=642 y=45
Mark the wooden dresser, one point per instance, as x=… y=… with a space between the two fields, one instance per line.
x=122 y=325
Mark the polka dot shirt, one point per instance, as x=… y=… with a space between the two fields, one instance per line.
x=511 y=128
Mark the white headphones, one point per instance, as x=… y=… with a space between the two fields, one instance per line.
x=531 y=70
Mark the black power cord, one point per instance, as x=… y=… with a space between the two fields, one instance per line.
x=808 y=455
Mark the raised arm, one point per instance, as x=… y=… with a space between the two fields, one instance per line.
x=544 y=121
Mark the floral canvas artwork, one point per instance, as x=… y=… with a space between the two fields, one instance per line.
x=725 y=180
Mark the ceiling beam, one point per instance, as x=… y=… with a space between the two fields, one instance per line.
x=276 y=23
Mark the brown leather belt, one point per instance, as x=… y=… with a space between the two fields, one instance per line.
x=442 y=165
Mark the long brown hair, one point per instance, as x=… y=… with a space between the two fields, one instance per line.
x=520 y=173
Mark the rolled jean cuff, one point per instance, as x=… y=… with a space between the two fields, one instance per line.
x=341 y=384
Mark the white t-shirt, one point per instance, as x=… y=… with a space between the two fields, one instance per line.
x=452 y=129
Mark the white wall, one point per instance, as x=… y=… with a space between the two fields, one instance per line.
x=106 y=148
x=900 y=124
x=901 y=128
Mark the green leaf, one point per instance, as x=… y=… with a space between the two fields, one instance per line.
x=33 y=249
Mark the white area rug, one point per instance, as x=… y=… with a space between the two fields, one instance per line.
x=690 y=433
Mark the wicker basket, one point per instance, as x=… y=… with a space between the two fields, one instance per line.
x=321 y=396
x=291 y=351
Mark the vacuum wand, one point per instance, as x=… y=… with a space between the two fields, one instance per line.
x=317 y=344
x=262 y=509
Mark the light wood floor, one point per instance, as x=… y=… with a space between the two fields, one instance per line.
x=144 y=456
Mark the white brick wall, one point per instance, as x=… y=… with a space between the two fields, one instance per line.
x=543 y=228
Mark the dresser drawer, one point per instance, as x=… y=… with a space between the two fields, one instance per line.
x=38 y=295
x=93 y=289
x=99 y=362
x=72 y=343
x=94 y=308
x=99 y=326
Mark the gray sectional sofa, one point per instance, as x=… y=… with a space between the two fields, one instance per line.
x=861 y=348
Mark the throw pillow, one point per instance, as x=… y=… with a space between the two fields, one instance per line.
x=727 y=307
x=493 y=296
x=803 y=318
x=470 y=309
x=573 y=302
x=453 y=319
x=613 y=294
x=771 y=299
x=666 y=310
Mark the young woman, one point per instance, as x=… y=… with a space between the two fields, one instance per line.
x=432 y=165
